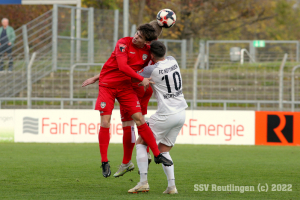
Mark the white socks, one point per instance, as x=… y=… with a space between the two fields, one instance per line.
x=169 y=171
x=142 y=161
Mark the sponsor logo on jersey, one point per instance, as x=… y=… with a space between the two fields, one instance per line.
x=172 y=95
x=145 y=56
x=138 y=104
x=132 y=52
x=103 y=104
x=122 y=47
x=141 y=70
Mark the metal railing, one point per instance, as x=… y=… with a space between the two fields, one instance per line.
x=257 y=103
x=175 y=52
x=205 y=89
x=293 y=86
x=72 y=75
x=33 y=36
x=243 y=51
x=62 y=37
x=29 y=88
x=217 y=51
x=214 y=80
x=189 y=101
x=281 y=80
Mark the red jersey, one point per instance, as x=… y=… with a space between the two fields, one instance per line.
x=128 y=57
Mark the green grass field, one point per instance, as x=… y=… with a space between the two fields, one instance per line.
x=71 y=171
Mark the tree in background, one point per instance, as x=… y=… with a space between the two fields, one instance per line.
x=19 y=15
x=211 y=19
x=286 y=23
x=103 y=4
x=205 y=19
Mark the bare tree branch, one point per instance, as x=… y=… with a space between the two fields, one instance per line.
x=252 y=22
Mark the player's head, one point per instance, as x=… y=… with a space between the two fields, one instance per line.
x=158 y=29
x=145 y=34
x=158 y=50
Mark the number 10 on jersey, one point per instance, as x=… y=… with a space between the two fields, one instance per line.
x=177 y=86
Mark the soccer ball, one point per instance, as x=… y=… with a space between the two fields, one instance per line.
x=166 y=18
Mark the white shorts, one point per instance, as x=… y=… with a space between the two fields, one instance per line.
x=167 y=127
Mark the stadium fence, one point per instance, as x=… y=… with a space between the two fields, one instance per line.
x=211 y=79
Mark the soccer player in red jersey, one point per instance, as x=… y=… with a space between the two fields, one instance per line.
x=129 y=55
x=127 y=122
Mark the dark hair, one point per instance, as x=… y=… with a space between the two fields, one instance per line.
x=148 y=31
x=158 y=49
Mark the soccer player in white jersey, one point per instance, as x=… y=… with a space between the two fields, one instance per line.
x=169 y=117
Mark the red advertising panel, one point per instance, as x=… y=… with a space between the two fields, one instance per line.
x=277 y=128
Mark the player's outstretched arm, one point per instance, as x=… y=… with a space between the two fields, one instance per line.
x=90 y=80
x=126 y=69
x=134 y=80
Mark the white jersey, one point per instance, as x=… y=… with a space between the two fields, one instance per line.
x=168 y=85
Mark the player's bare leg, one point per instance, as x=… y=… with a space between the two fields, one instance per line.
x=128 y=145
x=169 y=170
x=103 y=139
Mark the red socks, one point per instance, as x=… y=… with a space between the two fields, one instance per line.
x=147 y=135
x=103 y=139
x=128 y=143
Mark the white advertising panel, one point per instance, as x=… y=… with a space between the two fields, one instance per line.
x=218 y=127
x=60 y=126
x=201 y=127
x=6 y=125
